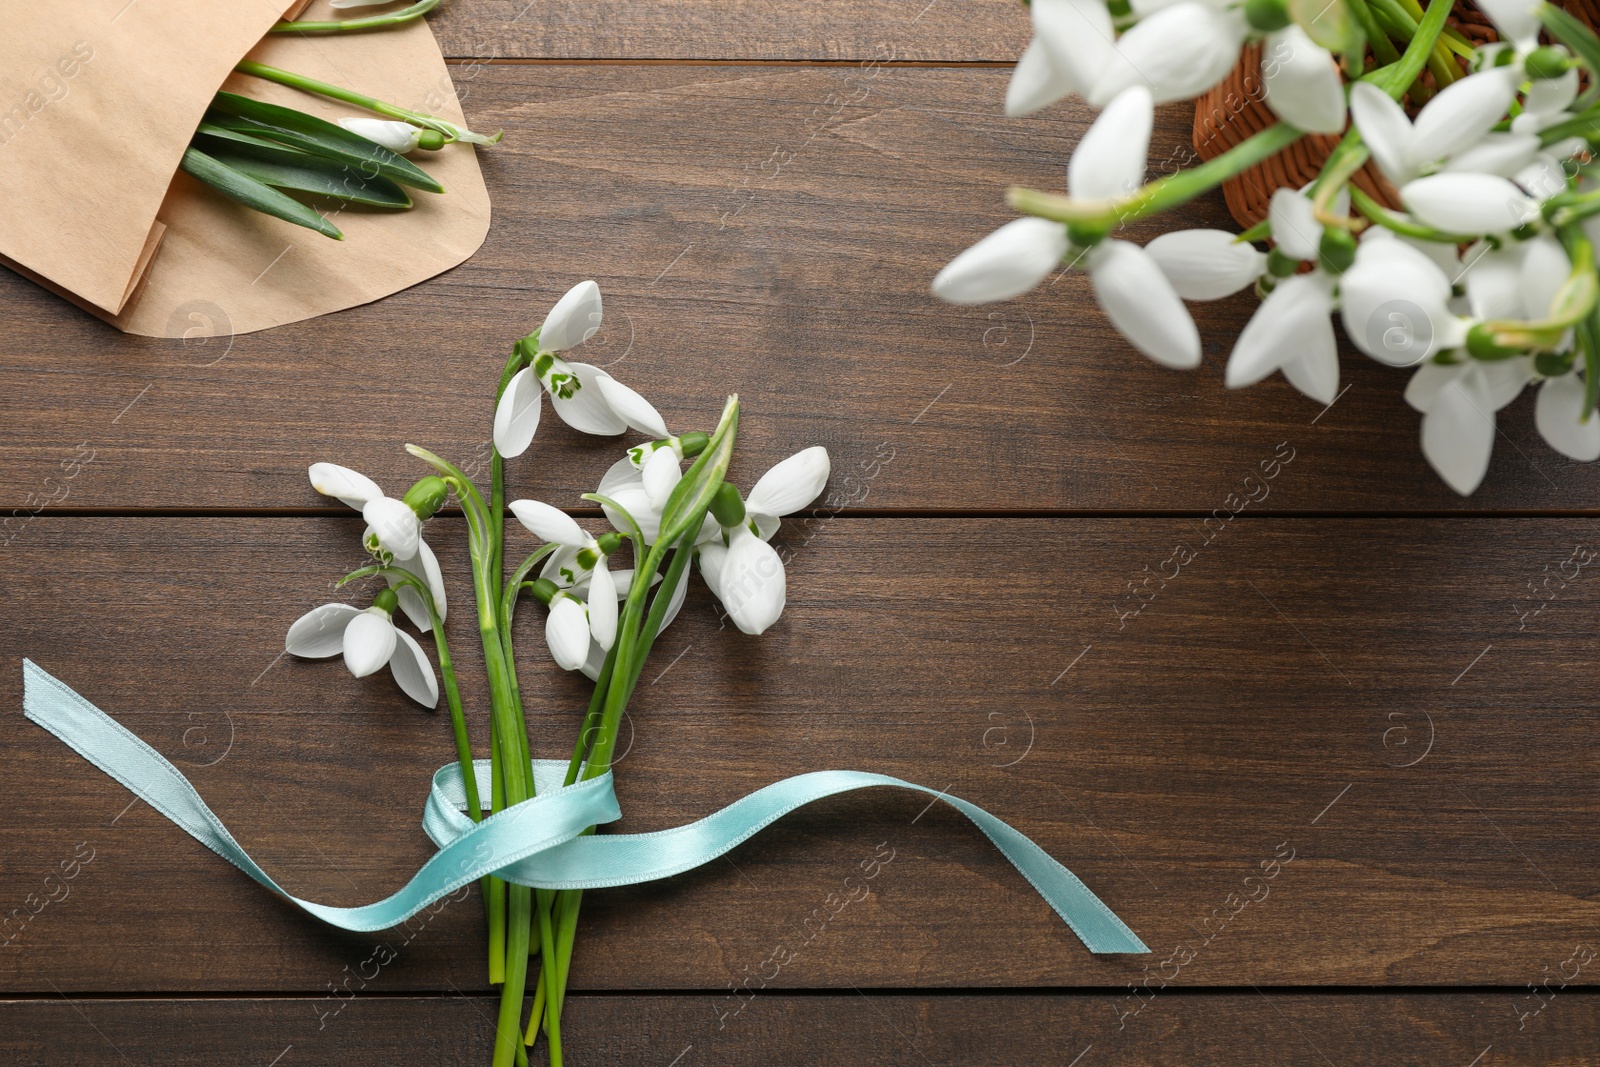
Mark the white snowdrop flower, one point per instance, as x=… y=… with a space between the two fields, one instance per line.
x=1071 y=41
x=1559 y=417
x=1458 y=404
x=368 y=640
x=1451 y=122
x=1302 y=81
x=396 y=136
x=600 y=613
x=1005 y=264
x=1206 y=264
x=1142 y=304
x=1177 y=53
x=1291 y=332
x=396 y=526
x=1469 y=203
x=1395 y=303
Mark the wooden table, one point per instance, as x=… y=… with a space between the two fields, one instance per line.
x=1358 y=670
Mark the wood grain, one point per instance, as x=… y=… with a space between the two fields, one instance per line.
x=1356 y=694
x=766 y=230
x=1242 y=1029
x=840 y=30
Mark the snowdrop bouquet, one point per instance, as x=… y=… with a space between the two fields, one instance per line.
x=602 y=618
x=1483 y=282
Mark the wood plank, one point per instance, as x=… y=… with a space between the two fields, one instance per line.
x=1244 y=1029
x=1266 y=702
x=841 y=30
x=810 y=300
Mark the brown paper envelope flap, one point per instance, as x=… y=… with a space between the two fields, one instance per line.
x=98 y=99
x=239 y=270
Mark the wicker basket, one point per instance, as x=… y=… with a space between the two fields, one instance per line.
x=1236 y=108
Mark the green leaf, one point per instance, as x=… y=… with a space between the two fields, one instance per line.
x=686 y=505
x=286 y=168
x=254 y=194
x=317 y=136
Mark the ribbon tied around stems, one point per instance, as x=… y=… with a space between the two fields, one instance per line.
x=538 y=842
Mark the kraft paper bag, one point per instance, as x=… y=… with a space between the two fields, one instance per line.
x=98 y=99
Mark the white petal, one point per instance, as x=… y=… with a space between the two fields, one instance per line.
x=1110 y=160
x=1549 y=96
x=369 y=641
x=399 y=137
x=351 y=487
x=660 y=476
x=711 y=557
x=632 y=408
x=1493 y=281
x=1517 y=20
x=620 y=475
x=792 y=483
x=1315 y=369
x=766 y=525
x=594 y=662
x=1468 y=203
x=516 y=417
x=1038 y=81
x=425 y=565
x=549 y=523
x=637 y=503
x=1545 y=267
x=1458 y=433
x=1461 y=114
x=1178 y=53
x=1431 y=378
x=1142 y=305
x=676 y=603
x=1385 y=130
x=1542 y=178
x=586 y=410
x=1504 y=379
x=752 y=586
x=1557 y=413
x=561 y=567
x=1302 y=81
x=1395 y=303
x=1005 y=264
x=573 y=320
x=1206 y=264
x=603 y=606
x=319 y=633
x=411 y=669
x=1077 y=34
x=1501 y=153
x=1293 y=313
x=1295 y=229
x=396 y=525
x=566 y=631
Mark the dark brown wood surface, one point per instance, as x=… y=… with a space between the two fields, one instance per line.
x=769 y=230
x=1320 y=730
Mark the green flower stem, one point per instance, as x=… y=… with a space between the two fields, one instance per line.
x=1408 y=16
x=1575 y=303
x=450 y=130
x=370 y=22
x=497 y=475
x=1382 y=46
x=1395 y=78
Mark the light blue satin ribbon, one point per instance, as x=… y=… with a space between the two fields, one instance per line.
x=537 y=842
